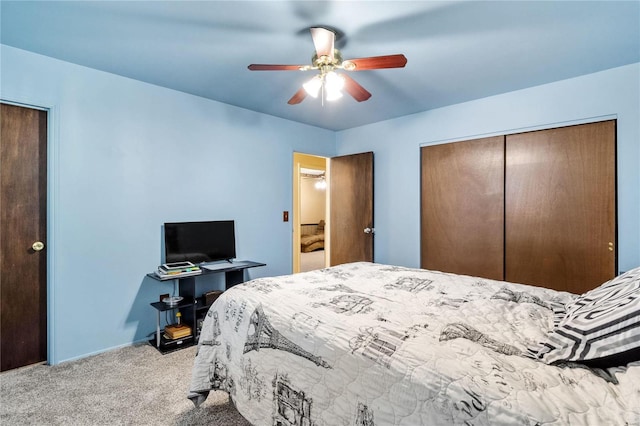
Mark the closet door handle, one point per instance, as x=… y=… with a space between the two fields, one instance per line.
x=369 y=230
x=37 y=246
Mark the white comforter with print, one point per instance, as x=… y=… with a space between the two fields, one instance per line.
x=370 y=344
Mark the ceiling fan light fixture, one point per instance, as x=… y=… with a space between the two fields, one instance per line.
x=333 y=84
x=326 y=59
x=312 y=87
x=334 y=81
x=333 y=95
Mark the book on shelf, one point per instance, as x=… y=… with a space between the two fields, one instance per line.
x=178 y=267
x=177 y=270
x=162 y=276
x=177 y=331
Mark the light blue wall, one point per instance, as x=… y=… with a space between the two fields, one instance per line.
x=396 y=143
x=125 y=157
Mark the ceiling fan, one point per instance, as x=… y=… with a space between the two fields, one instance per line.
x=327 y=59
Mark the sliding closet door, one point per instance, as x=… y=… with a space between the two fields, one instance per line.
x=462 y=207
x=560 y=214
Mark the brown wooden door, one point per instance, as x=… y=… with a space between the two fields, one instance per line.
x=351 y=208
x=560 y=210
x=23 y=159
x=462 y=207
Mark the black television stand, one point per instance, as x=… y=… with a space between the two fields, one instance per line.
x=193 y=306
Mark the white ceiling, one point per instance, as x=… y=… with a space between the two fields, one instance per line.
x=457 y=50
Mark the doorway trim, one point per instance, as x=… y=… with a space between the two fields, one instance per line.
x=309 y=161
x=52 y=203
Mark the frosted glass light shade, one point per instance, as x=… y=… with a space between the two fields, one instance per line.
x=312 y=87
x=333 y=84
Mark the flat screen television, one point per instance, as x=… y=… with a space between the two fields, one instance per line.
x=199 y=242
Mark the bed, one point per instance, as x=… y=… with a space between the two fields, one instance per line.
x=372 y=344
x=312 y=237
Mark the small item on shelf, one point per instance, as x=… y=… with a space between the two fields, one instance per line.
x=211 y=296
x=173 y=300
x=168 y=344
x=177 y=270
x=177 y=266
x=177 y=331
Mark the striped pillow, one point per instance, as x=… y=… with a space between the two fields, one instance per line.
x=601 y=327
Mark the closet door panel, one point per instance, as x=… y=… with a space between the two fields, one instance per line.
x=462 y=207
x=560 y=211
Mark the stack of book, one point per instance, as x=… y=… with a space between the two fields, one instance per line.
x=176 y=331
x=177 y=270
x=174 y=337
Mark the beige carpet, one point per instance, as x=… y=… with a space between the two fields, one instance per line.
x=134 y=385
x=312 y=261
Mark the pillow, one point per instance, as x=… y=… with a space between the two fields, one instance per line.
x=600 y=328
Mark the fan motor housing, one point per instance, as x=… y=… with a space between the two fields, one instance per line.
x=326 y=60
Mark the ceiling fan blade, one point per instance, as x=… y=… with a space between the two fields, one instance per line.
x=354 y=88
x=375 y=62
x=298 y=97
x=323 y=40
x=268 y=67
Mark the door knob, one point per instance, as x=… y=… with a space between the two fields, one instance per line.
x=369 y=230
x=37 y=246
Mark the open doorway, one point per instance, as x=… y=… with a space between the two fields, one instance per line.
x=348 y=210
x=310 y=209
